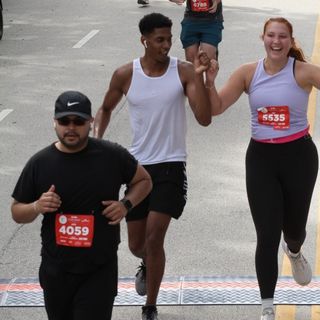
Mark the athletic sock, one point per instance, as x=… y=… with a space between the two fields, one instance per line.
x=267 y=303
x=293 y=255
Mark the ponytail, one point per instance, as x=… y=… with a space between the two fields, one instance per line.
x=296 y=52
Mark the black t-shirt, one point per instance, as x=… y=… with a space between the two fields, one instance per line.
x=82 y=180
x=216 y=16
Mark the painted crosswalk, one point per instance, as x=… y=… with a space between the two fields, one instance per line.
x=186 y=290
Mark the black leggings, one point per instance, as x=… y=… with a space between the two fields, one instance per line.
x=280 y=179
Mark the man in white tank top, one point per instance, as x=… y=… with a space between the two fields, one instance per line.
x=156 y=86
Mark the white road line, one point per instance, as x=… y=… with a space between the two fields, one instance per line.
x=4 y=113
x=84 y=40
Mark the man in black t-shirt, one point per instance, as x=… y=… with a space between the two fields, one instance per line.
x=74 y=184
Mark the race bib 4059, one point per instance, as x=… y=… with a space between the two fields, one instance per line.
x=74 y=230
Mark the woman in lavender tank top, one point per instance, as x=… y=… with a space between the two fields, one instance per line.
x=281 y=159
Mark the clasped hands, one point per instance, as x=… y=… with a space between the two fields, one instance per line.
x=204 y=63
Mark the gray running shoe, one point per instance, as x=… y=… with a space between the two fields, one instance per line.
x=149 y=313
x=267 y=314
x=301 y=269
x=143 y=2
x=140 y=282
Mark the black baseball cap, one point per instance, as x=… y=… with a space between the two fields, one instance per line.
x=72 y=103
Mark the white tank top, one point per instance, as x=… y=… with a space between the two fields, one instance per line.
x=157 y=115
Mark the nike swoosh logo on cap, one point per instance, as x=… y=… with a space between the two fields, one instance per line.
x=69 y=104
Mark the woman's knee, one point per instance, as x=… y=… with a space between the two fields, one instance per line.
x=295 y=242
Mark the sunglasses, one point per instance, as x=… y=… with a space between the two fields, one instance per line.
x=77 y=121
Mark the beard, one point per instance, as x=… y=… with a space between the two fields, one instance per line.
x=73 y=141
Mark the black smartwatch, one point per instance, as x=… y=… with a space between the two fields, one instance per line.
x=127 y=204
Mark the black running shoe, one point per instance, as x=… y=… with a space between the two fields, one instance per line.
x=140 y=283
x=143 y=2
x=149 y=313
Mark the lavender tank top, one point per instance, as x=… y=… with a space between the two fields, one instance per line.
x=278 y=105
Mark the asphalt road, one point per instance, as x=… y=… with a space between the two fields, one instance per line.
x=40 y=56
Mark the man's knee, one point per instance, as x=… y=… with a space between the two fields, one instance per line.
x=137 y=248
x=154 y=244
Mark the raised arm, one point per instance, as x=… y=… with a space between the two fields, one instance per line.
x=231 y=91
x=118 y=86
x=192 y=78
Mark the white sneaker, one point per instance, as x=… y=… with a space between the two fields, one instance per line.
x=301 y=269
x=267 y=314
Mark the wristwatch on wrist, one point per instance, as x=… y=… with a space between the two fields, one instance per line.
x=127 y=204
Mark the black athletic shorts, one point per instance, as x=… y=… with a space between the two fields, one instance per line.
x=169 y=192
x=79 y=296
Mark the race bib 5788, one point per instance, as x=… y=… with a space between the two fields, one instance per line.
x=200 y=5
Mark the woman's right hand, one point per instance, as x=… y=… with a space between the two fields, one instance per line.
x=211 y=72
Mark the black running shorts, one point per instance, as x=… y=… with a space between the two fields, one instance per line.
x=169 y=192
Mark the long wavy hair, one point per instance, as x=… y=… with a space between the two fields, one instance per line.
x=295 y=51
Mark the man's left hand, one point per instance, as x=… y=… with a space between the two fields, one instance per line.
x=114 y=211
